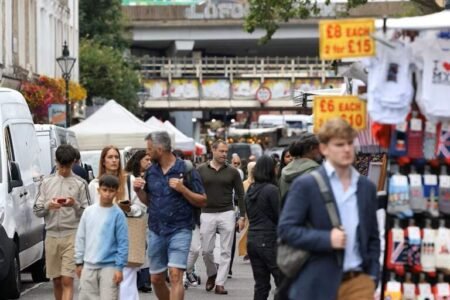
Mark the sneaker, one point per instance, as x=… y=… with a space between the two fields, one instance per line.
x=230 y=274
x=191 y=279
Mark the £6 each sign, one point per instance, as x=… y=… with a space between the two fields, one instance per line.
x=349 y=108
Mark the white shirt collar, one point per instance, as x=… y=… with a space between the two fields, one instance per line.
x=331 y=171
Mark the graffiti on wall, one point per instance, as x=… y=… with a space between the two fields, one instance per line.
x=184 y=89
x=157 y=88
x=216 y=89
x=245 y=89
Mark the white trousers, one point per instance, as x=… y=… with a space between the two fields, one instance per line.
x=128 y=287
x=224 y=224
x=194 y=251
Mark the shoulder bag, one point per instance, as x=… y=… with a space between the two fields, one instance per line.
x=290 y=260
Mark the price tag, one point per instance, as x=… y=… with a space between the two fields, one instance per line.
x=349 y=108
x=398 y=235
x=430 y=179
x=402 y=127
x=400 y=180
x=415 y=180
x=444 y=181
x=409 y=291
x=416 y=124
x=430 y=127
x=425 y=289
x=346 y=38
x=413 y=233
x=394 y=286
x=443 y=289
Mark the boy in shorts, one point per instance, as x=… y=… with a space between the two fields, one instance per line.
x=101 y=246
x=61 y=200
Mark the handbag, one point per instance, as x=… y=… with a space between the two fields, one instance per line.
x=137 y=228
x=290 y=260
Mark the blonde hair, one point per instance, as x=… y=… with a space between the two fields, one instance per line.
x=336 y=128
x=120 y=174
x=250 y=167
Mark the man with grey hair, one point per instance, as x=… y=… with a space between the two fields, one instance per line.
x=170 y=200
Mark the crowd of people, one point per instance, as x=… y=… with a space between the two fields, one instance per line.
x=195 y=210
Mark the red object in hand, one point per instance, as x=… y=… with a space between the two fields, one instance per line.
x=61 y=200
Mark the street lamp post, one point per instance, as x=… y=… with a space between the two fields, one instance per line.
x=142 y=97
x=66 y=63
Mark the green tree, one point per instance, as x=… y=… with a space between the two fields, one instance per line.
x=104 y=73
x=103 y=21
x=268 y=14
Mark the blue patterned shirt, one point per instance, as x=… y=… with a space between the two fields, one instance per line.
x=168 y=210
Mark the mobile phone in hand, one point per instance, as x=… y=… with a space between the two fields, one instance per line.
x=125 y=202
x=61 y=200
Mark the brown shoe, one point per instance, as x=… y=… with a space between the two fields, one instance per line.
x=211 y=282
x=220 y=290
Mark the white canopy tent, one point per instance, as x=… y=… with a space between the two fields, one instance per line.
x=114 y=125
x=153 y=121
x=436 y=21
x=182 y=142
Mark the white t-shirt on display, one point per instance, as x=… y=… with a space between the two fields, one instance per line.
x=432 y=58
x=390 y=89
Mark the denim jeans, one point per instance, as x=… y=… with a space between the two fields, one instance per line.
x=261 y=248
x=170 y=250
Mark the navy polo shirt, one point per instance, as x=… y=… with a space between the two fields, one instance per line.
x=168 y=210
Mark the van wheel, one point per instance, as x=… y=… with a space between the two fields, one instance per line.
x=14 y=279
x=38 y=271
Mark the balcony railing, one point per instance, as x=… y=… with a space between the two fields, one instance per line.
x=235 y=67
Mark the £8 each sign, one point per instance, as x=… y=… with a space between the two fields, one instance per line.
x=349 y=108
x=346 y=38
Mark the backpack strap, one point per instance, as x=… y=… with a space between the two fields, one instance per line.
x=328 y=199
x=188 y=172
x=329 y=204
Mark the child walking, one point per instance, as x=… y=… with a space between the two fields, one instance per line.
x=61 y=200
x=101 y=247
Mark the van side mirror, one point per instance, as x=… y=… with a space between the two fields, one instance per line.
x=16 y=177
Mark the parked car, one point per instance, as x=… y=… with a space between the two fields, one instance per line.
x=19 y=179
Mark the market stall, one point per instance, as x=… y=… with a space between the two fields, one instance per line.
x=408 y=117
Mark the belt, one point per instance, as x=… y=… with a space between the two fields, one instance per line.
x=350 y=275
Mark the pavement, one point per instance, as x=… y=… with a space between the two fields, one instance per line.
x=239 y=287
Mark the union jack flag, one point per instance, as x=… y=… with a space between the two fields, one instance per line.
x=443 y=145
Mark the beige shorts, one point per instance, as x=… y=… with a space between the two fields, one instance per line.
x=59 y=256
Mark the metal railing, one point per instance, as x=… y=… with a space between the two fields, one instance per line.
x=234 y=67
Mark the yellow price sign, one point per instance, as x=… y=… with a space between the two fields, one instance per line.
x=346 y=38
x=350 y=108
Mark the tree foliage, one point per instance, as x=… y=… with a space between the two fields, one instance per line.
x=268 y=14
x=103 y=21
x=104 y=70
x=106 y=74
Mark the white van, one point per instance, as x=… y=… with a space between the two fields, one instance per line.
x=19 y=178
x=49 y=138
x=294 y=123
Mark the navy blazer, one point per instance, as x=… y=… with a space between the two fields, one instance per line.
x=320 y=277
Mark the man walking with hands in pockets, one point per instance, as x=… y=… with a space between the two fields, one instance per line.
x=344 y=261
x=170 y=202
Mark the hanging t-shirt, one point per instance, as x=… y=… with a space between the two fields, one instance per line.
x=390 y=90
x=432 y=58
